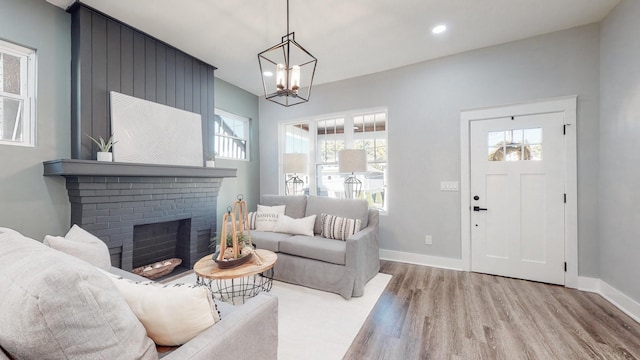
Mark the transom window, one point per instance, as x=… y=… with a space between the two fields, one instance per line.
x=232 y=136
x=324 y=137
x=17 y=94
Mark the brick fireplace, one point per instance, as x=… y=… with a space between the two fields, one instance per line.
x=114 y=201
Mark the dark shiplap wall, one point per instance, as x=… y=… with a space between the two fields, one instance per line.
x=108 y=55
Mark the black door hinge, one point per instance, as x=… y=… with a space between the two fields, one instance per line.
x=565 y=198
x=564 y=129
x=565 y=266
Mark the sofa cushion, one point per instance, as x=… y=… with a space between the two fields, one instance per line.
x=83 y=245
x=348 y=208
x=289 y=225
x=55 y=306
x=296 y=204
x=172 y=314
x=339 y=228
x=318 y=248
x=268 y=240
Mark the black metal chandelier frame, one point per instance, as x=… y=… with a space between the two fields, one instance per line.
x=283 y=95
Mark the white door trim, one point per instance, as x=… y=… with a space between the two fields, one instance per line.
x=567 y=105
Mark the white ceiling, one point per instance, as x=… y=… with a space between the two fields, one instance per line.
x=349 y=37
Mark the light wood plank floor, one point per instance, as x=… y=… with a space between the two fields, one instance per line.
x=429 y=313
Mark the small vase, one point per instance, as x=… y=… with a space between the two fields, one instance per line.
x=105 y=156
x=210 y=163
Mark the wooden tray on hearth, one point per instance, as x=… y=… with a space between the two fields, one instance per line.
x=158 y=269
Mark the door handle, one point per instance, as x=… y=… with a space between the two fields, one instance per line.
x=478 y=208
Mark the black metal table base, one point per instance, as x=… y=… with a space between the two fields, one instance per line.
x=237 y=291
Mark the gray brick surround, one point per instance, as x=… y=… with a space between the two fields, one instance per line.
x=110 y=206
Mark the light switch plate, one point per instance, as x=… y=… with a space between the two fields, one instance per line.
x=449 y=186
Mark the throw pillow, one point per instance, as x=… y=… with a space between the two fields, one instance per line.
x=266 y=222
x=289 y=225
x=56 y=306
x=251 y=225
x=83 y=245
x=172 y=314
x=339 y=228
x=267 y=216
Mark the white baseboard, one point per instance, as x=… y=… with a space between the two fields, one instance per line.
x=419 y=259
x=628 y=305
x=589 y=284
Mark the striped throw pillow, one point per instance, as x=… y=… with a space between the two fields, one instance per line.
x=339 y=228
x=251 y=222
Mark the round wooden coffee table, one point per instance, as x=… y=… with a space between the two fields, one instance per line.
x=237 y=284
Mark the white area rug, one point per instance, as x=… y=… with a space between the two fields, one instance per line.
x=314 y=324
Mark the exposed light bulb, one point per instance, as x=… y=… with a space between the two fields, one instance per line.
x=295 y=78
x=280 y=76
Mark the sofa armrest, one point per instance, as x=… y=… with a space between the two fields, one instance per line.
x=249 y=332
x=363 y=253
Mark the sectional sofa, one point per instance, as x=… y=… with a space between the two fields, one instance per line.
x=56 y=306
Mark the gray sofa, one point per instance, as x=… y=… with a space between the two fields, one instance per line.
x=337 y=266
x=56 y=306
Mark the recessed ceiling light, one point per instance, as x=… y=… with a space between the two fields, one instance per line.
x=439 y=29
x=267 y=73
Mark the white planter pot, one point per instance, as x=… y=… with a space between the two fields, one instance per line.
x=210 y=163
x=105 y=156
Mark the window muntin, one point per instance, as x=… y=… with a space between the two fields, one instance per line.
x=325 y=137
x=515 y=145
x=231 y=136
x=17 y=94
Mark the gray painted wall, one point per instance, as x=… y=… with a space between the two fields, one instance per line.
x=36 y=205
x=619 y=210
x=232 y=99
x=29 y=202
x=424 y=102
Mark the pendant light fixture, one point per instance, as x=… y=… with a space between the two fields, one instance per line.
x=287 y=71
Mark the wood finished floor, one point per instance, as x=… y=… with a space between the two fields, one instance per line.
x=429 y=313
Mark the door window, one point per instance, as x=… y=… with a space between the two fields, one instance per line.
x=515 y=145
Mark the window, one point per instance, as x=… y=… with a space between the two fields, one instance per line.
x=232 y=136
x=515 y=145
x=17 y=94
x=324 y=137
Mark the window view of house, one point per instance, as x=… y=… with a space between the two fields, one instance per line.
x=231 y=136
x=17 y=85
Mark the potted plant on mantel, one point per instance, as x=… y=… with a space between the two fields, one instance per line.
x=211 y=160
x=105 y=147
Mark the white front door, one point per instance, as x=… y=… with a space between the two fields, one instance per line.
x=517 y=197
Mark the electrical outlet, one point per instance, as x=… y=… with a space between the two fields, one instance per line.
x=428 y=240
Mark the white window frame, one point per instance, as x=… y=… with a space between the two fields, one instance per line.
x=247 y=130
x=28 y=86
x=314 y=151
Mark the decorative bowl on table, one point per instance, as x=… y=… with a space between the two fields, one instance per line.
x=231 y=263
